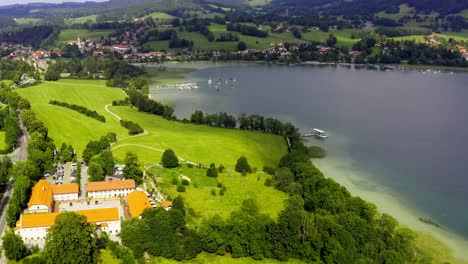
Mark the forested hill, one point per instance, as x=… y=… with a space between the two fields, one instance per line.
x=367 y=7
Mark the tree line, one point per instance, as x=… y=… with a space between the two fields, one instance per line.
x=80 y=109
x=252 y=122
x=246 y=30
x=144 y=104
x=133 y=128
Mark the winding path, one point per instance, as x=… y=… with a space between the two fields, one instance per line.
x=139 y=135
x=155 y=149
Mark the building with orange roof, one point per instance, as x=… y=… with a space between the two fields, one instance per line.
x=44 y=194
x=33 y=228
x=41 y=198
x=166 y=204
x=110 y=189
x=137 y=202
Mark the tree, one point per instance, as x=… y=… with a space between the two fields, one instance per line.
x=241 y=45
x=71 y=240
x=331 y=41
x=242 y=165
x=14 y=246
x=197 y=117
x=212 y=171
x=132 y=168
x=95 y=172
x=169 y=159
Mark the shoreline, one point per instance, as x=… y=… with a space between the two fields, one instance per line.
x=376 y=66
x=387 y=202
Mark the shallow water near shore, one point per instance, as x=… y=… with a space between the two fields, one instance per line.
x=397 y=139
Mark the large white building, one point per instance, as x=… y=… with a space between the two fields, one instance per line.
x=110 y=189
x=44 y=194
x=33 y=228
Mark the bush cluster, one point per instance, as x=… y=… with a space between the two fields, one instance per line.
x=80 y=109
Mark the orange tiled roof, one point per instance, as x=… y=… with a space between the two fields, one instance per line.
x=166 y=204
x=65 y=188
x=137 y=203
x=48 y=219
x=41 y=194
x=110 y=185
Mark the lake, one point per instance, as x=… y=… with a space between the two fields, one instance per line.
x=397 y=138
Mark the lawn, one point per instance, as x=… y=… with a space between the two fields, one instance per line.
x=238 y=188
x=200 y=144
x=405 y=10
x=417 y=38
x=72 y=34
x=458 y=36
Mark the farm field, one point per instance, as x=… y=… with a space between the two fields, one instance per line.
x=72 y=34
x=28 y=21
x=212 y=258
x=200 y=144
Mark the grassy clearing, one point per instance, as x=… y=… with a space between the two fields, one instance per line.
x=464 y=13
x=83 y=19
x=68 y=126
x=238 y=189
x=212 y=258
x=344 y=37
x=405 y=10
x=28 y=21
x=199 y=144
x=108 y=258
x=458 y=36
x=417 y=38
x=72 y=34
x=160 y=16
x=258 y=2
x=2 y=140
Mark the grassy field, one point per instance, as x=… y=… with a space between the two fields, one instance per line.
x=68 y=126
x=458 y=36
x=28 y=21
x=72 y=34
x=200 y=144
x=83 y=19
x=160 y=16
x=344 y=37
x=405 y=10
x=259 y=2
x=463 y=13
x=238 y=189
x=417 y=38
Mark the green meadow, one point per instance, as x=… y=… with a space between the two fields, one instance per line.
x=83 y=19
x=72 y=34
x=2 y=140
x=196 y=143
x=343 y=37
x=198 y=194
x=160 y=16
x=28 y=21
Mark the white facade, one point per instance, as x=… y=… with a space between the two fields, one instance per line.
x=33 y=236
x=65 y=196
x=110 y=193
x=38 y=208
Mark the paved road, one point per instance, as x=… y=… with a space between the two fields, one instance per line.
x=84 y=180
x=20 y=154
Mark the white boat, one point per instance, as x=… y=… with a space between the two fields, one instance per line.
x=209 y=81
x=319 y=133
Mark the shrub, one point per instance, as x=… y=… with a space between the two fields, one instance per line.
x=169 y=159
x=243 y=166
x=185 y=182
x=268 y=182
x=269 y=170
x=80 y=109
x=213 y=192
x=212 y=172
x=133 y=128
x=180 y=188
